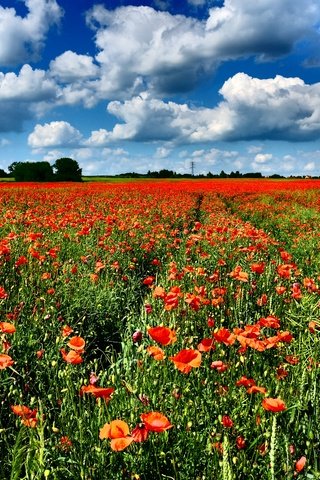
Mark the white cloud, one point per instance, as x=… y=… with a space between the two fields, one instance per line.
x=277 y=108
x=140 y=47
x=71 y=67
x=24 y=95
x=28 y=86
x=262 y=158
x=22 y=38
x=54 y=134
x=162 y=152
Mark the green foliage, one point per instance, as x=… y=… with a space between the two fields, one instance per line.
x=31 y=171
x=67 y=170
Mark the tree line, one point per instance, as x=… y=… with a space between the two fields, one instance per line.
x=63 y=170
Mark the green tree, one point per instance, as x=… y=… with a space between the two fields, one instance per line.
x=31 y=171
x=67 y=170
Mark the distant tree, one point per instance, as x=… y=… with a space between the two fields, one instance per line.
x=67 y=170
x=31 y=171
x=3 y=174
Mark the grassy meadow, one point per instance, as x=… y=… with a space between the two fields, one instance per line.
x=160 y=330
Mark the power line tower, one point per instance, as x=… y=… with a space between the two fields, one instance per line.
x=192 y=168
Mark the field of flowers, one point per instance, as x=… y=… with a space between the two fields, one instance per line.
x=160 y=330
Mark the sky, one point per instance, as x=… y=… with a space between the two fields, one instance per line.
x=123 y=86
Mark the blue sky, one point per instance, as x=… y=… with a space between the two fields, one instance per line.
x=125 y=86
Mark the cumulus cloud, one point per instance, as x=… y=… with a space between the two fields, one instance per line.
x=24 y=95
x=261 y=158
x=277 y=108
x=139 y=46
x=22 y=38
x=54 y=134
x=71 y=67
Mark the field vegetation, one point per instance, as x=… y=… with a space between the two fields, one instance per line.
x=160 y=330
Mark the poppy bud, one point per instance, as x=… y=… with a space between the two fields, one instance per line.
x=137 y=336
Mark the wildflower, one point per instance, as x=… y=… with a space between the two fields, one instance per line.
x=240 y=443
x=300 y=464
x=118 y=432
x=97 y=392
x=71 y=357
x=206 y=345
x=156 y=352
x=140 y=433
x=256 y=389
x=245 y=382
x=155 y=422
x=226 y=421
x=28 y=416
x=66 y=331
x=65 y=443
x=77 y=344
x=5 y=361
x=6 y=327
x=273 y=404
x=219 y=366
x=163 y=335
x=186 y=359
x=137 y=336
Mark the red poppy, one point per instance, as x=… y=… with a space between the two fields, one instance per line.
x=273 y=404
x=71 y=357
x=271 y=321
x=219 y=366
x=224 y=336
x=240 y=442
x=245 y=382
x=77 y=343
x=28 y=416
x=206 y=345
x=97 y=392
x=163 y=335
x=156 y=352
x=256 y=389
x=227 y=421
x=118 y=432
x=6 y=327
x=66 y=331
x=5 y=361
x=140 y=433
x=300 y=464
x=155 y=422
x=187 y=359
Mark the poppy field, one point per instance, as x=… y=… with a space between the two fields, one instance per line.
x=160 y=330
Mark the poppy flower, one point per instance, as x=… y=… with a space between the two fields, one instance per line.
x=118 y=432
x=6 y=327
x=300 y=464
x=206 y=345
x=245 y=382
x=77 y=343
x=273 y=404
x=155 y=422
x=227 y=421
x=156 y=352
x=219 y=366
x=163 y=335
x=28 y=416
x=271 y=321
x=140 y=433
x=240 y=442
x=187 y=359
x=256 y=389
x=66 y=331
x=71 y=357
x=97 y=392
x=5 y=361
x=224 y=336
